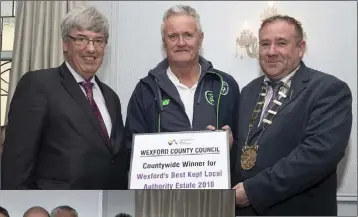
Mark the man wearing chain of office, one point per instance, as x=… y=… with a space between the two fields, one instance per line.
x=295 y=124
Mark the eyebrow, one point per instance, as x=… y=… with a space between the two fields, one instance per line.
x=275 y=39
x=170 y=33
x=81 y=35
x=281 y=39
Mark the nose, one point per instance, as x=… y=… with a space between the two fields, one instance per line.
x=272 y=50
x=181 y=41
x=90 y=47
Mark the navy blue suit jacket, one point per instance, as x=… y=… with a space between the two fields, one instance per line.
x=295 y=172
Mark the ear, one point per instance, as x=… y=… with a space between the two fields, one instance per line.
x=302 y=47
x=64 y=45
x=164 y=45
x=201 y=38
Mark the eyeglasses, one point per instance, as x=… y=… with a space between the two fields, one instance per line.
x=176 y=36
x=83 y=41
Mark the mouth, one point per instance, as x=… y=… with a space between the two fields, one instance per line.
x=181 y=51
x=272 y=62
x=89 y=58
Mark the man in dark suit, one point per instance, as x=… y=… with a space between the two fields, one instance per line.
x=65 y=128
x=295 y=123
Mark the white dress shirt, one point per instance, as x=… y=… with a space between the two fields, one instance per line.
x=97 y=97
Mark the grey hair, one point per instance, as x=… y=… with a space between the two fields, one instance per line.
x=64 y=209
x=85 y=18
x=181 y=10
x=290 y=20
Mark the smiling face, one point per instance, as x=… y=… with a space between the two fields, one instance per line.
x=280 y=51
x=182 y=40
x=85 y=59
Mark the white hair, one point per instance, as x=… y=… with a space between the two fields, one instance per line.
x=180 y=10
x=85 y=18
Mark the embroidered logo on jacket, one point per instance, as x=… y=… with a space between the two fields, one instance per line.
x=209 y=96
x=165 y=102
x=225 y=89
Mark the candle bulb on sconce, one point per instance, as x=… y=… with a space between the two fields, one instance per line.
x=246 y=26
x=270 y=11
x=247 y=43
x=270 y=4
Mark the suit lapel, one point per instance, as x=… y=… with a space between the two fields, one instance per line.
x=256 y=128
x=79 y=97
x=110 y=104
x=252 y=103
x=111 y=107
x=298 y=84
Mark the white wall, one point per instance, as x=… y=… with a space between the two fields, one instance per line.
x=118 y=201
x=86 y=203
x=347 y=208
x=331 y=27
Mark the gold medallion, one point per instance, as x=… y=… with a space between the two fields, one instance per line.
x=248 y=157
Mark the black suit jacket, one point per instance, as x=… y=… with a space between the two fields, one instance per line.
x=295 y=172
x=53 y=139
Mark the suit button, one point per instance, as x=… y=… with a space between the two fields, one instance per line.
x=112 y=161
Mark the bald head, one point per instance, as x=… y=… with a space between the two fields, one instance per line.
x=36 y=211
